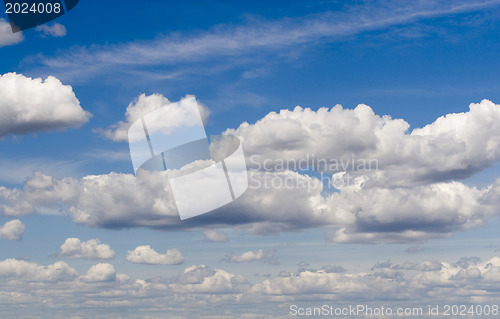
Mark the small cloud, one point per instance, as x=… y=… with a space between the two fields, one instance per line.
x=414 y=249
x=54 y=30
x=12 y=230
x=213 y=235
x=31 y=105
x=91 y=249
x=250 y=256
x=382 y=265
x=7 y=37
x=147 y=255
x=99 y=273
x=145 y=104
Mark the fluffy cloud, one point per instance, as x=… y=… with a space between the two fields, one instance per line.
x=250 y=256
x=99 y=273
x=202 y=279
x=455 y=146
x=145 y=104
x=7 y=37
x=147 y=255
x=26 y=271
x=91 y=249
x=409 y=198
x=12 y=230
x=54 y=30
x=213 y=235
x=32 y=105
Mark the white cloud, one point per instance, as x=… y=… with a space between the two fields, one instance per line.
x=33 y=105
x=145 y=104
x=147 y=255
x=54 y=30
x=412 y=196
x=7 y=37
x=100 y=273
x=202 y=291
x=214 y=235
x=12 y=230
x=91 y=249
x=455 y=146
x=250 y=256
x=203 y=279
x=26 y=271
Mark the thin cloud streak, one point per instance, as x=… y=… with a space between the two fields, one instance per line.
x=265 y=36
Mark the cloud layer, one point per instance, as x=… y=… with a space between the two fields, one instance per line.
x=202 y=290
x=256 y=37
x=34 y=105
x=412 y=193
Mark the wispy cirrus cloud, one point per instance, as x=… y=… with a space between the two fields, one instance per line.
x=254 y=36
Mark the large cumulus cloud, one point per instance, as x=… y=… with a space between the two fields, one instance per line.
x=413 y=194
x=31 y=105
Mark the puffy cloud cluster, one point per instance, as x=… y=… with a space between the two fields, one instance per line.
x=453 y=147
x=91 y=249
x=147 y=255
x=205 y=289
x=12 y=230
x=32 y=105
x=411 y=195
x=12 y=269
x=203 y=279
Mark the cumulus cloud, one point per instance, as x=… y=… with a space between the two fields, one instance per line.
x=99 y=273
x=453 y=147
x=413 y=195
x=203 y=279
x=214 y=235
x=58 y=286
x=33 y=105
x=145 y=104
x=147 y=255
x=26 y=271
x=12 y=230
x=54 y=30
x=91 y=249
x=250 y=256
x=7 y=37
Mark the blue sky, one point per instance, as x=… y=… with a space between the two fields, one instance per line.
x=417 y=65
